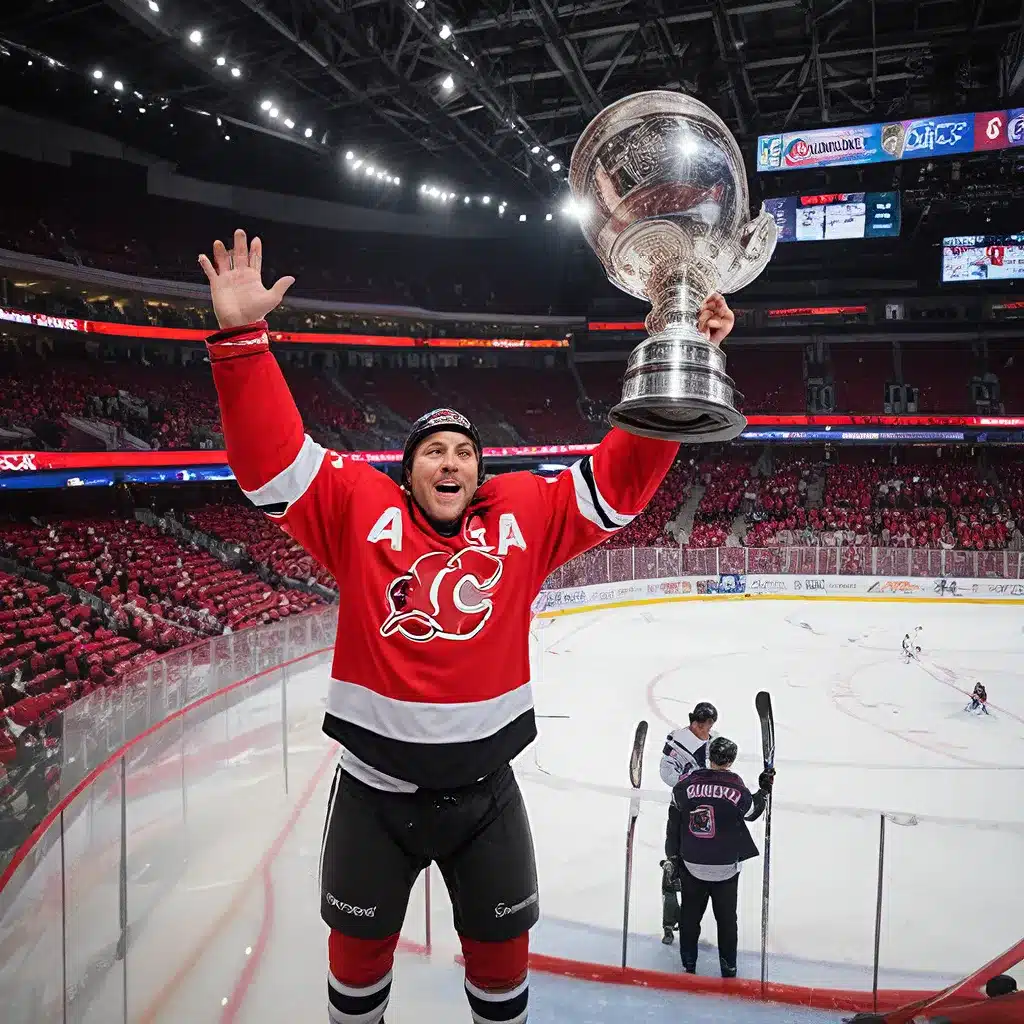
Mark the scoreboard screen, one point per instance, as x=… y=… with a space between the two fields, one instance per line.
x=836 y=216
x=982 y=258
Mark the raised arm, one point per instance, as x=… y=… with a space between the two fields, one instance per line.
x=275 y=462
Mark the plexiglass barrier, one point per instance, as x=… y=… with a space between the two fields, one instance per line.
x=172 y=872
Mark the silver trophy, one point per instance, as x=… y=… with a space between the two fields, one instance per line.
x=661 y=193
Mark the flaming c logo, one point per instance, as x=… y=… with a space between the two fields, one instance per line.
x=443 y=595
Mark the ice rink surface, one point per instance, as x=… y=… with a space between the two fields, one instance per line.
x=222 y=893
x=859 y=732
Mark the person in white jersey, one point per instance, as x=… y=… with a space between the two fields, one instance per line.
x=685 y=750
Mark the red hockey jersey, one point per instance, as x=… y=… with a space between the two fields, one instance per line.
x=431 y=676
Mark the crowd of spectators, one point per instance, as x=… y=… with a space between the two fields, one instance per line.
x=649 y=528
x=725 y=484
x=940 y=506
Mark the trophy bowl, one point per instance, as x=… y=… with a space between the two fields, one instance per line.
x=661 y=193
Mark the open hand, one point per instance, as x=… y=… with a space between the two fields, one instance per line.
x=716 y=318
x=236 y=286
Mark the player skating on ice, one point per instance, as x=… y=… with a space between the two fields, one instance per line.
x=979 y=700
x=430 y=686
x=910 y=651
x=684 y=750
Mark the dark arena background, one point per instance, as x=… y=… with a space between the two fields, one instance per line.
x=164 y=646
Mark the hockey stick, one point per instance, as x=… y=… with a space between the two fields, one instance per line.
x=636 y=768
x=763 y=704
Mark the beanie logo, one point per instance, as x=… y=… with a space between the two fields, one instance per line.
x=446 y=416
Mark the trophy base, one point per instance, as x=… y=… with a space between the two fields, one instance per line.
x=689 y=420
x=676 y=388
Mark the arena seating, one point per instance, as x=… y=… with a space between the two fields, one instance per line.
x=135 y=569
x=725 y=483
x=263 y=540
x=54 y=649
x=936 y=505
x=648 y=529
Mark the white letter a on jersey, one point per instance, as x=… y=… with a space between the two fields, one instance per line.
x=388 y=527
x=509 y=534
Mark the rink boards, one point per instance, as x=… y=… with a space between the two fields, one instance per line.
x=796 y=587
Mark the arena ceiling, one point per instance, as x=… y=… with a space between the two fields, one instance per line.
x=494 y=94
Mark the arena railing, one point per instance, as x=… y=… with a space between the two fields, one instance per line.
x=179 y=792
x=617 y=565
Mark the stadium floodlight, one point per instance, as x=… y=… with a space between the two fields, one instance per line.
x=380 y=174
x=522 y=217
x=154 y=6
x=547 y=216
x=555 y=168
x=119 y=85
x=448 y=84
x=227 y=138
x=349 y=155
x=221 y=61
x=289 y=123
x=549 y=158
x=398 y=181
x=357 y=165
x=420 y=4
x=142 y=110
x=236 y=72
x=266 y=105
x=195 y=37
x=486 y=200
x=535 y=150
x=274 y=111
x=446 y=31
x=308 y=133
x=97 y=74
x=434 y=193
x=137 y=94
x=466 y=200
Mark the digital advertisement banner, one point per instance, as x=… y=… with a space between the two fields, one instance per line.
x=829 y=218
x=982 y=258
x=68 y=323
x=916 y=139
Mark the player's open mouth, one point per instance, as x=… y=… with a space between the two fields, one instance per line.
x=447 y=488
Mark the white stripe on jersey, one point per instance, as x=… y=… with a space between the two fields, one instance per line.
x=293 y=481
x=591 y=505
x=415 y=722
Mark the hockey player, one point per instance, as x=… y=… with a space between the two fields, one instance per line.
x=709 y=842
x=430 y=693
x=684 y=750
x=910 y=652
x=979 y=699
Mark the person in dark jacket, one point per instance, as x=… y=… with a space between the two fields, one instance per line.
x=707 y=839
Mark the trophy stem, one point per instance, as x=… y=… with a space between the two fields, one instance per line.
x=676 y=388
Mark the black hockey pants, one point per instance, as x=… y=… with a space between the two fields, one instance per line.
x=723 y=897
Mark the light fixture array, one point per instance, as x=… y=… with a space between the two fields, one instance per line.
x=358 y=166
x=366 y=168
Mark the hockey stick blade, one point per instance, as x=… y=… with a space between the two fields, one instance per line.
x=763 y=705
x=636 y=757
